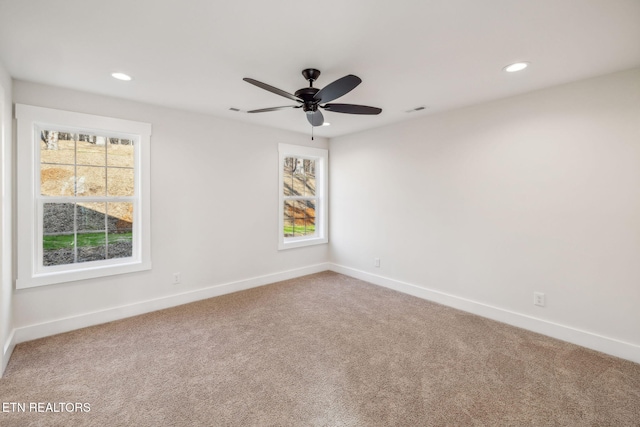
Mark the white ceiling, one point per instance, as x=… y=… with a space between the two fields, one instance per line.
x=193 y=54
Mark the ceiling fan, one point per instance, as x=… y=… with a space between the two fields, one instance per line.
x=311 y=99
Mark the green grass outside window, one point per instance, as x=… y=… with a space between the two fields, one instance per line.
x=85 y=239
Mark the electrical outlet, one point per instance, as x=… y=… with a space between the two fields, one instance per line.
x=538 y=299
x=376 y=262
x=176 y=278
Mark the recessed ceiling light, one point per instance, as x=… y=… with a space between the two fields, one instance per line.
x=121 y=76
x=516 y=67
x=326 y=124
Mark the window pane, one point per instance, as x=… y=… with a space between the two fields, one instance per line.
x=91 y=150
x=305 y=218
x=120 y=227
x=119 y=216
x=288 y=218
x=298 y=210
x=58 y=240
x=120 y=182
x=91 y=239
x=56 y=180
x=298 y=183
x=287 y=181
x=289 y=208
x=288 y=227
x=310 y=178
x=91 y=181
x=310 y=216
x=299 y=218
x=91 y=246
x=299 y=177
x=57 y=147
x=120 y=152
x=91 y=217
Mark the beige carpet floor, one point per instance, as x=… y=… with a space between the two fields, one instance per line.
x=322 y=350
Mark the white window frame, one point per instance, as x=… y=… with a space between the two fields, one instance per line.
x=30 y=120
x=321 y=157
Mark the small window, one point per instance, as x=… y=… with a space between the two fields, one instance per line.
x=83 y=198
x=303 y=196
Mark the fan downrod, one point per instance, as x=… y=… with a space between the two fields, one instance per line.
x=307 y=93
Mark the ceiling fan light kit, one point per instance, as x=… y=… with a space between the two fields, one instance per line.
x=312 y=99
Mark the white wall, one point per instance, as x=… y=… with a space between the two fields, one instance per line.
x=482 y=206
x=214 y=206
x=6 y=286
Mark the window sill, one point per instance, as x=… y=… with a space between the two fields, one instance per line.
x=299 y=243
x=52 y=278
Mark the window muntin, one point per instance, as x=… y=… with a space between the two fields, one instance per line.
x=88 y=210
x=303 y=208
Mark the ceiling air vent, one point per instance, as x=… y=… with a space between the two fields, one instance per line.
x=415 y=109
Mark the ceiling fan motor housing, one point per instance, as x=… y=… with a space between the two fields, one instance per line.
x=307 y=94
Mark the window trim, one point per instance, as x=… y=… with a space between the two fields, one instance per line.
x=321 y=156
x=30 y=272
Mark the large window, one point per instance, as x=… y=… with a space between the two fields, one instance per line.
x=83 y=196
x=303 y=196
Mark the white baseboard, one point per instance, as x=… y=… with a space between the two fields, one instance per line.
x=7 y=351
x=579 y=337
x=565 y=333
x=31 y=332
